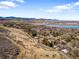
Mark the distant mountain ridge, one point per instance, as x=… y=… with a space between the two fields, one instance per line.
x=21 y=18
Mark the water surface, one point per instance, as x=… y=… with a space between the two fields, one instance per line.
x=64 y=26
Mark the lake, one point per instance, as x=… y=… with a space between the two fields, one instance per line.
x=63 y=26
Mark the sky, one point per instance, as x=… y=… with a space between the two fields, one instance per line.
x=50 y=9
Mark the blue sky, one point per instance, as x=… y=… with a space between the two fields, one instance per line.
x=51 y=9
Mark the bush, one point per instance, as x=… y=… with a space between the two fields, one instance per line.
x=33 y=33
x=75 y=52
x=46 y=42
x=57 y=33
x=11 y=24
x=27 y=28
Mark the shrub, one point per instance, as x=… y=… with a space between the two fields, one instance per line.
x=56 y=33
x=11 y=24
x=33 y=33
x=46 y=42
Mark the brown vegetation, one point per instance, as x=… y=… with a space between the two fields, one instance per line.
x=28 y=41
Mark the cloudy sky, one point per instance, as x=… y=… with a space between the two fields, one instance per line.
x=52 y=9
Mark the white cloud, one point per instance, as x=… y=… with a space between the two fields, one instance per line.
x=76 y=4
x=61 y=8
x=21 y=1
x=52 y=11
x=4 y=7
x=7 y=4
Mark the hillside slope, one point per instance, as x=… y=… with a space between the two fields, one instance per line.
x=30 y=48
